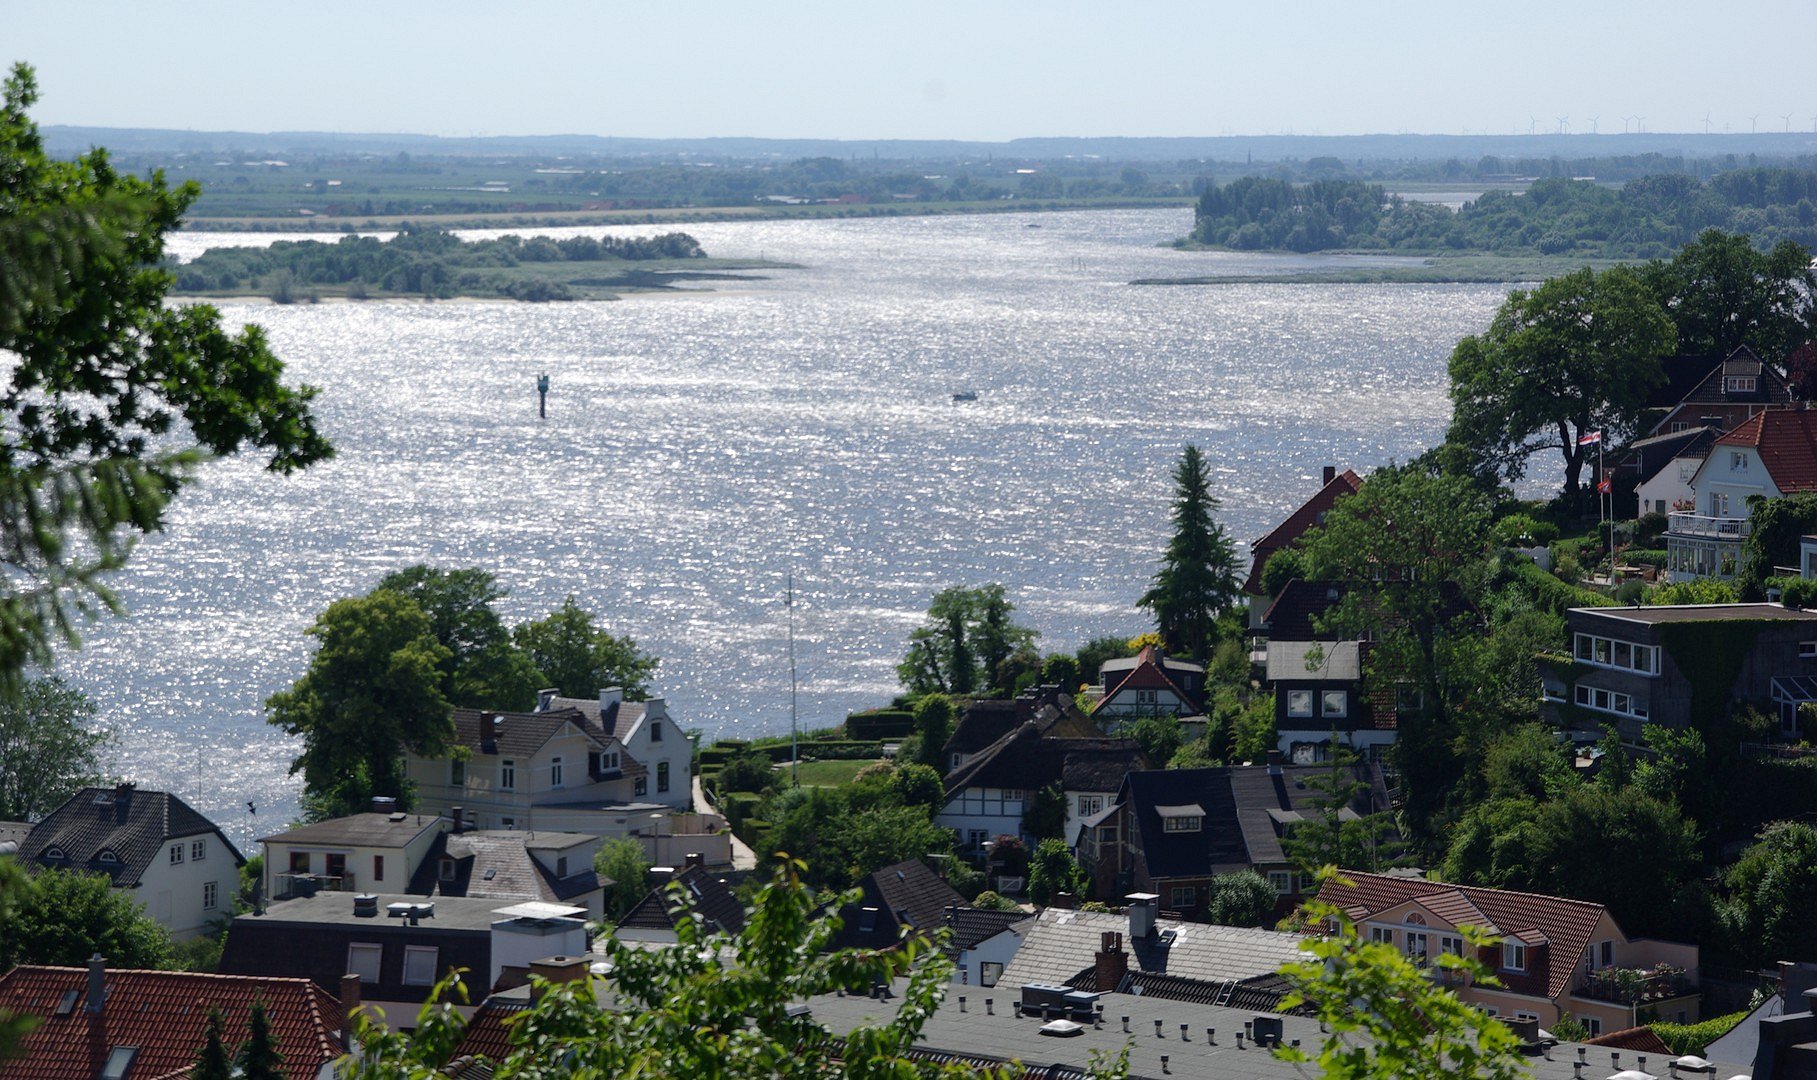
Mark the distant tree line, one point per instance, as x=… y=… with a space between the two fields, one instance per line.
x=421 y=260
x=1649 y=217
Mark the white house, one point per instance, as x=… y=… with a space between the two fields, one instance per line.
x=1148 y=683
x=1664 y=465
x=575 y=765
x=1771 y=454
x=370 y=853
x=151 y=844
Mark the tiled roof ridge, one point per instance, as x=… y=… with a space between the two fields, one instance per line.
x=1440 y=886
x=1348 y=478
x=1148 y=664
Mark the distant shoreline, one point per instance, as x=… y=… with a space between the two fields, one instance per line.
x=1447 y=270
x=674 y=216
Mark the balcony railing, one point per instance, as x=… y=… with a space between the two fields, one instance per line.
x=293 y=885
x=1718 y=528
x=1634 y=986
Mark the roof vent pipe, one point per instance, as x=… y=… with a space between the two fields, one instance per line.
x=97 y=984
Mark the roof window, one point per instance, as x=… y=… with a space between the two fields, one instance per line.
x=119 y=1062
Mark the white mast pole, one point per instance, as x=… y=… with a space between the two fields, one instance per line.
x=794 y=724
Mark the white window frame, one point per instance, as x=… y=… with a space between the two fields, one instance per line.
x=989 y=971
x=1381 y=935
x=1741 y=384
x=211 y=895
x=1598 y=651
x=1514 y=956
x=1450 y=946
x=1342 y=700
x=1090 y=804
x=1807 y=649
x=1145 y=697
x=364 y=956
x=1614 y=702
x=656 y=731
x=1184 y=823
x=1107 y=834
x=1738 y=461
x=507 y=774
x=176 y=854
x=417 y=954
x=1591 y=1025
x=198 y=850
x=555 y=771
x=1419 y=945
x=1294 y=706
x=1281 y=881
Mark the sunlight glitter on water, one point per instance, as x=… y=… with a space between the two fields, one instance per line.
x=699 y=447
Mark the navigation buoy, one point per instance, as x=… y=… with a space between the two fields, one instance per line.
x=542 y=396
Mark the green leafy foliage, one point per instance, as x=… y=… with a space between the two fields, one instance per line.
x=1723 y=292
x=934 y=724
x=716 y=1006
x=212 y=1060
x=111 y=396
x=1693 y=591
x=968 y=635
x=1241 y=899
x=484 y=669
x=373 y=686
x=991 y=900
x=1774 y=528
x=1696 y=1038
x=65 y=917
x=580 y=658
x=1198 y=579
x=1576 y=355
x=622 y=860
x=259 y=1057
x=50 y=747
x=1053 y=870
x=1770 y=889
x=1093 y=653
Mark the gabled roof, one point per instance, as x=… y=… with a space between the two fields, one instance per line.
x=1647 y=458
x=1150 y=673
x=1289 y=531
x=488 y=1034
x=1059 y=945
x=1683 y=374
x=164 y=1014
x=615 y=721
x=130 y=824
x=1787 y=442
x=1028 y=759
x=984 y=722
x=972 y=925
x=497 y=864
x=1769 y=386
x=520 y=735
x=713 y=902
x=907 y=897
x=1566 y=926
x=1246 y=808
x=392 y=830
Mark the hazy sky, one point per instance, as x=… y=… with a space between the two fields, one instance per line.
x=923 y=69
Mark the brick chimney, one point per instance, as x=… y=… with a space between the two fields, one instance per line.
x=1331 y=473
x=456 y=815
x=1112 y=963
x=494 y=723
x=694 y=859
x=350 y=1005
x=559 y=969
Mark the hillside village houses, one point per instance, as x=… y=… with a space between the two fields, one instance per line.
x=1774 y=453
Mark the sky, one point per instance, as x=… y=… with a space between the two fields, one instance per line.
x=865 y=69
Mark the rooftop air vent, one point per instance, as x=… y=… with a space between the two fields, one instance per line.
x=366 y=906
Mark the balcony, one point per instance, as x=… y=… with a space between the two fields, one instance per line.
x=292 y=885
x=1713 y=528
x=1635 y=986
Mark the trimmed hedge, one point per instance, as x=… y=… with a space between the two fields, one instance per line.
x=878 y=724
x=1552 y=594
x=1643 y=557
x=1695 y=1038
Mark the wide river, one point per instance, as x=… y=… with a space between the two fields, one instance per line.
x=700 y=447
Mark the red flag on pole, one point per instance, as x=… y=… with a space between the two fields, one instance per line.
x=1603 y=485
x=1590 y=438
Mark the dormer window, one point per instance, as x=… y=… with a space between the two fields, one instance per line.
x=55 y=853
x=447 y=869
x=1184 y=823
x=1514 y=956
x=107 y=856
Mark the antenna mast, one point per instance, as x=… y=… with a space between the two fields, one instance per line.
x=794 y=725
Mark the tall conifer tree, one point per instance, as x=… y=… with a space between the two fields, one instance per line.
x=1198 y=576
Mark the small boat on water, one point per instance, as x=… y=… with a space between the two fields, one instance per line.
x=965 y=395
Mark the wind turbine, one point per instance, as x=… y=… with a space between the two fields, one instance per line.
x=1706 y=123
x=1788 y=120
x=1593 y=125
x=1640 y=124
x=1564 y=125
x=1751 y=126
x=1624 y=122
x=1532 y=125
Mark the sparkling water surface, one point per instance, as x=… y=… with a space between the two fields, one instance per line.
x=700 y=445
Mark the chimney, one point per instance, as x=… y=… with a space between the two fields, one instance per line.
x=1331 y=473
x=493 y=723
x=456 y=814
x=545 y=698
x=1143 y=907
x=1112 y=963
x=123 y=789
x=350 y=1005
x=694 y=860
x=1274 y=763
x=97 y=984
x=609 y=698
x=383 y=804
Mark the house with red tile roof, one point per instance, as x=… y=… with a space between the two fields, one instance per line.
x=1148 y=683
x=1552 y=956
x=139 y=1025
x=1773 y=453
x=1334 y=486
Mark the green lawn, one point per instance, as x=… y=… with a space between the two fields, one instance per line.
x=828 y=773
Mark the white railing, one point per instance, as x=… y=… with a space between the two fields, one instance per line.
x=1699 y=525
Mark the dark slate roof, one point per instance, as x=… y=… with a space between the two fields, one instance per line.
x=129 y=823
x=1289 y=531
x=1770 y=386
x=1027 y=758
x=164 y=1014
x=520 y=734
x=908 y=897
x=308 y=939
x=616 y=721
x=972 y=925
x=360 y=830
x=1292 y=615
x=1247 y=808
x=1260 y=993
x=713 y=901
x=984 y=722
x=497 y=864
x=1646 y=457
x=1683 y=374
x=1100 y=768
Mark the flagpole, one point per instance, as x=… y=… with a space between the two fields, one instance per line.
x=794 y=725
x=1602 y=479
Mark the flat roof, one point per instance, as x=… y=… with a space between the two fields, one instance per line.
x=1675 y=613
x=336 y=909
x=360 y=830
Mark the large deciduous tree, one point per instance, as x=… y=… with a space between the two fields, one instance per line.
x=1198 y=578
x=1576 y=355
x=49 y=747
x=110 y=397
x=1768 y=912
x=66 y=916
x=963 y=645
x=580 y=658
x=1721 y=292
x=485 y=669
x=373 y=689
